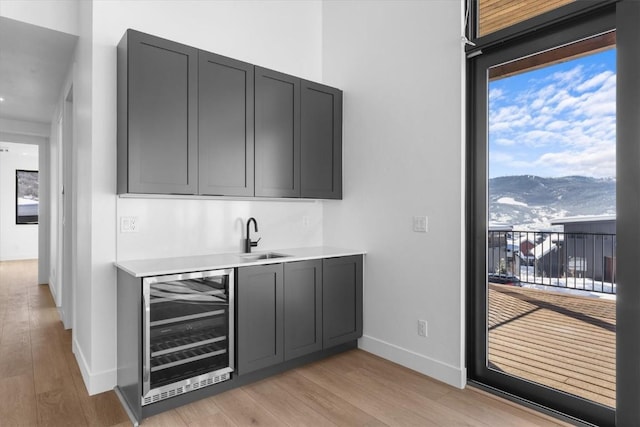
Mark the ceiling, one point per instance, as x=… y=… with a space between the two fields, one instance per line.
x=33 y=65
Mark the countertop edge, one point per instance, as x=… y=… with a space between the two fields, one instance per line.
x=177 y=265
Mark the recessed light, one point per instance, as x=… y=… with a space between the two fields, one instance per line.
x=1 y=99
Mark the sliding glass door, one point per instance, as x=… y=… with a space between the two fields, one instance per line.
x=543 y=219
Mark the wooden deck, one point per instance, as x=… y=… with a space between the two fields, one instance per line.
x=559 y=340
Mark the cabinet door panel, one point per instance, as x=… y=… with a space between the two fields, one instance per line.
x=162 y=122
x=341 y=300
x=302 y=308
x=320 y=141
x=277 y=134
x=225 y=126
x=260 y=315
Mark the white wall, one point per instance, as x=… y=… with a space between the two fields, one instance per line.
x=83 y=144
x=401 y=67
x=169 y=227
x=17 y=241
x=282 y=35
x=60 y=15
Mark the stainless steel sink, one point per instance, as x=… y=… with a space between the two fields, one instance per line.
x=261 y=256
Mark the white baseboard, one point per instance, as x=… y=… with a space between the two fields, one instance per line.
x=94 y=382
x=454 y=376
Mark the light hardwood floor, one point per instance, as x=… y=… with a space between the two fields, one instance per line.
x=41 y=385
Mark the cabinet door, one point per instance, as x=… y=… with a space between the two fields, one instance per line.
x=162 y=116
x=277 y=134
x=320 y=141
x=302 y=308
x=260 y=313
x=341 y=300
x=225 y=126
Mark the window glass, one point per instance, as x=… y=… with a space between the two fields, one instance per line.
x=551 y=247
x=26 y=197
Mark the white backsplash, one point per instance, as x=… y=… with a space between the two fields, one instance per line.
x=183 y=227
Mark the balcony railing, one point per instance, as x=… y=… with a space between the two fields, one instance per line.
x=584 y=261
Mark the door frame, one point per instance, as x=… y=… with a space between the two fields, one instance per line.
x=66 y=208
x=628 y=206
x=540 y=397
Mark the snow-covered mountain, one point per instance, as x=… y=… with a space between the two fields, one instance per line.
x=530 y=202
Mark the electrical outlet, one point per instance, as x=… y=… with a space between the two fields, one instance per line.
x=422 y=328
x=420 y=224
x=128 y=224
x=306 y=221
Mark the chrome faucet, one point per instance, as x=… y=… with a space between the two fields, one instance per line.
x=248 y=244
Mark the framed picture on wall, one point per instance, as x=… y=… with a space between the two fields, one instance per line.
x=26 y=197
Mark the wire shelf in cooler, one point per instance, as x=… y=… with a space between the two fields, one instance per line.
x=194 y=354
x=182 y=342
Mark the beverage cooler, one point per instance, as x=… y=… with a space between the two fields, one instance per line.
x=187 y=332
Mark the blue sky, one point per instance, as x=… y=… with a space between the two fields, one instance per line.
x=555 y=121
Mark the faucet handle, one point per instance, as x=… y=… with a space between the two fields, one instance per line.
x=255 y=243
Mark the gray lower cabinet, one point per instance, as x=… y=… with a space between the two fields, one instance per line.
x=277 y=134
x=341 y=300
x=225 y=126
x=289 y=310
x=320 y=141
x=302 y=308
x=157 y=116
x=260 y=298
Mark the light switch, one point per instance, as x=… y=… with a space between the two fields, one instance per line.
x=420 y=224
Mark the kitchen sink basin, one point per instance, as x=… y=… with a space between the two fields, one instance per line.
x=261 y=256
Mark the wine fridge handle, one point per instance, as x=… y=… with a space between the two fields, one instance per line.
x=146 y=347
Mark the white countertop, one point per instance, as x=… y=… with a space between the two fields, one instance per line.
x=175 y=265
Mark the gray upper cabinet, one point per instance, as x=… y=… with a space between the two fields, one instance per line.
x=277 y=134
x=225 y=126
x=193 y=122
x=320 y=141
x=341 y=300
x=157 y=116
x=259 y=294
x=302 y=308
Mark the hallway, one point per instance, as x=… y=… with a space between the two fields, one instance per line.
x=40 y=382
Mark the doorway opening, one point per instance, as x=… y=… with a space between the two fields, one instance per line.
x=19 y=201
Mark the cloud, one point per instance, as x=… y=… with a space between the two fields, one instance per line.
x=510 y=201
x=593 y=162
x=568 y=77
x=538 y=138
x=495 y=94
x=595 y=81
x=505 y=142
x=560 y=123
x=508 y=117
x=537 y=104
x=566 y=103
x=501 y=157
x=499 y=161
